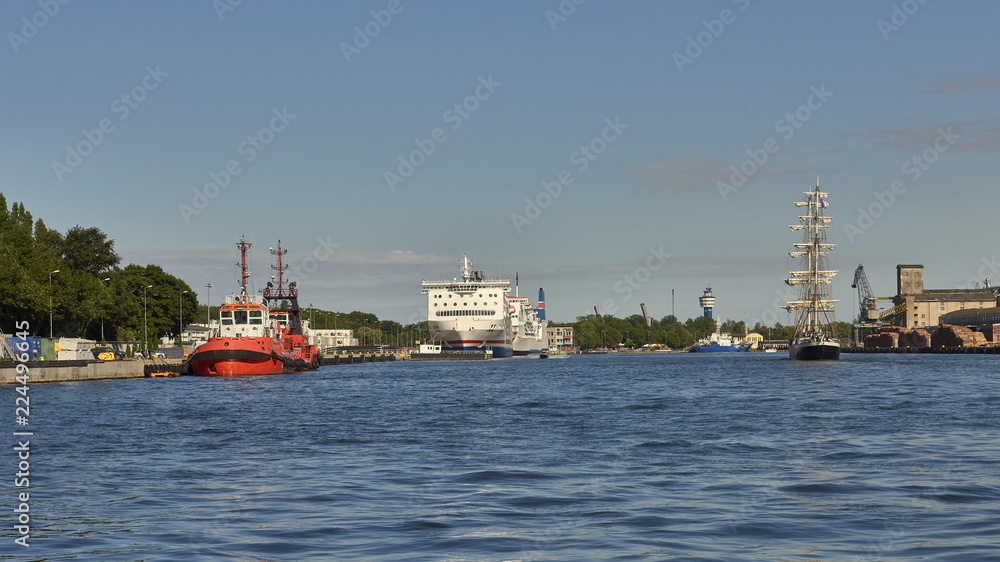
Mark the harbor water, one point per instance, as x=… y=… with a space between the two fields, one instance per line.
x=746 y=456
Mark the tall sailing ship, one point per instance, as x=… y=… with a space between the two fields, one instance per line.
x=814 y=335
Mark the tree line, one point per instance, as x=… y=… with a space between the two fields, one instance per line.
x=75 y=280
x=593 y=331
x=367 y=327
x=71 y=285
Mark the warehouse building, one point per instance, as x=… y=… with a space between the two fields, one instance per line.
x=925 y=307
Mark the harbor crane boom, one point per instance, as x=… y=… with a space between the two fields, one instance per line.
x=867 y=301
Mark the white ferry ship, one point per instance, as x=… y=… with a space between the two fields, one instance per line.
x=528 y=324
x=469 y=313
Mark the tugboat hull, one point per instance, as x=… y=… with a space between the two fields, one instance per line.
x=240 y=356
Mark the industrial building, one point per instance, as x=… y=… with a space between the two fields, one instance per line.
x=925 y=307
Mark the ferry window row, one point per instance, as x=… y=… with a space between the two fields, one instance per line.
x=451 y=296
x=464 y=313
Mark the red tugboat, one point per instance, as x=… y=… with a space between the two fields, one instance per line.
x=283 y=303
x=251 y=341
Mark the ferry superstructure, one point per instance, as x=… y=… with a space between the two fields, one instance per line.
x=528 y=324
x=469 y=313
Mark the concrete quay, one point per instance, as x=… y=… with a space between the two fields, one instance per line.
x=352 y=357
x=83 y=370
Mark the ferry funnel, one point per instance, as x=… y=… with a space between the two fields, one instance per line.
x=541 y=304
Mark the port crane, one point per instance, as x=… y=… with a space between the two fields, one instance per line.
x=869 y=315
x=867 y=301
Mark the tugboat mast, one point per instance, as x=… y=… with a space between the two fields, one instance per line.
x=244 y=247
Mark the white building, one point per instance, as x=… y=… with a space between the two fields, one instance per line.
x=332 y=338
x=560 y=338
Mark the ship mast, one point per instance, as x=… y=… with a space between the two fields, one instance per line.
x=281 y=291
x=280 y=268
x=814 y=302
x=244 y=246
x=466 y=268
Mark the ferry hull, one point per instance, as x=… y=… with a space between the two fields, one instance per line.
x=808 y=351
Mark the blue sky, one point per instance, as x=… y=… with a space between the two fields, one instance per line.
x=308 y=108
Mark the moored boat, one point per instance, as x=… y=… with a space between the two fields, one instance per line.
x=283 y=306
x=469 y=313
x=249 y=341
x=719 y=342
x=528 y=324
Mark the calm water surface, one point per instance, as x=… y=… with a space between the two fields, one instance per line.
x=665 y=457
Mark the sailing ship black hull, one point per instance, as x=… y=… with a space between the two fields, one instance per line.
x=811 y=350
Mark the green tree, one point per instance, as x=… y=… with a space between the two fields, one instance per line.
x=700 y=327
x=163 y=302
x=89 y=249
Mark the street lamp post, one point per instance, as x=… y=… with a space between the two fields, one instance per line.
x=50 y=301
x=145 y=323
x=180 y=309
x=604 y=344
x=104 y=312
x=208 y=305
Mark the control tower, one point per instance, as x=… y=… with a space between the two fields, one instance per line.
x=707 y=302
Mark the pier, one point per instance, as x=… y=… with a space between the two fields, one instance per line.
x=74 y=370
x=361 y=354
